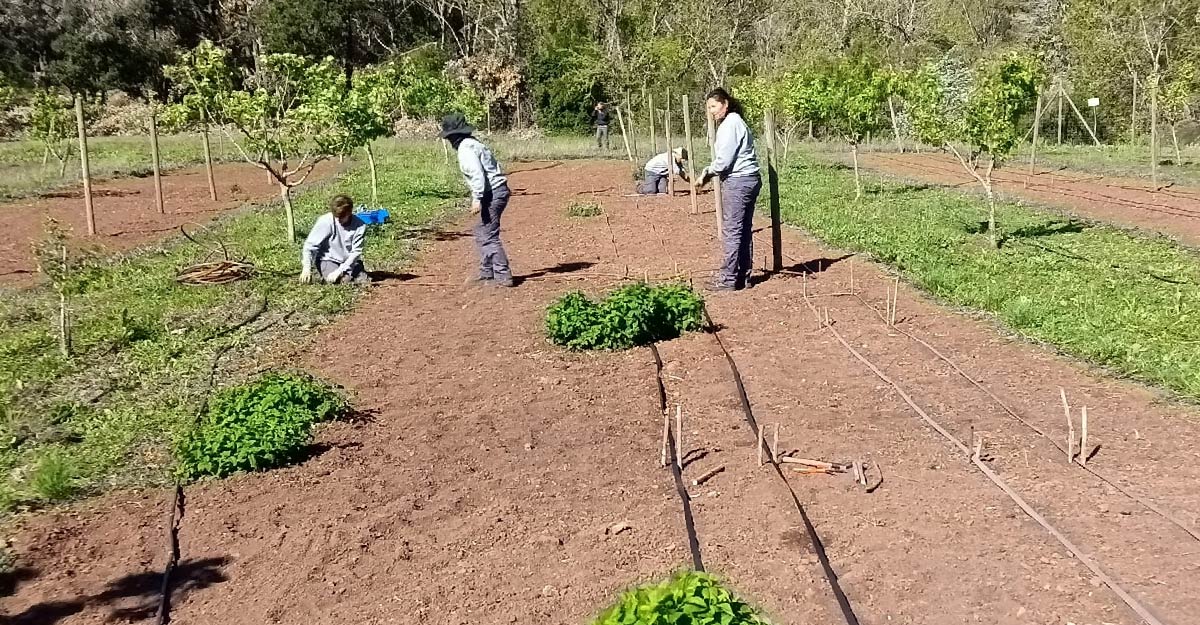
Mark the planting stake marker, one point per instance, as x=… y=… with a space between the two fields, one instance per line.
x=1070 y=426
x=679 y=436
x=666 y=434
x=1083 y=444
x=775 y=445
x=760 y=445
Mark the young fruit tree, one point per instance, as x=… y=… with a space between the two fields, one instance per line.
x=982 y=109
x=199 y=80
x=847 y=97
x=52 y=123
x=292 y=114
x=1177 y=101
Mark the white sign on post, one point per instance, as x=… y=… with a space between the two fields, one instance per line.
x=1093 y=102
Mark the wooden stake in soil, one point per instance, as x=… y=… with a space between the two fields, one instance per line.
x=156 y=163
x=653 y=136
x=895 y=301
x=88 y=209
x=773 y=191
x=208 y=165
x=670 y=147
x=691 y=148
x=1070 y=426
x=761 y=443
x=679 y=436
x=717 y=201
x=775 y=445
x=707 y=476
x=1037 y=123
x=1083 y=442
x=665 y=436
x=624 y=135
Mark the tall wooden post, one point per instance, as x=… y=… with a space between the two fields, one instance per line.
x=624 y=135
x=88 y=210
x=653 y=137
x=773 y=189
x=1037 y=124
x=156 y=163
x=691 y=148
x=717 y=201
x=1060 y=113
x=670 y=147
x=631 y=125
x=208 y=166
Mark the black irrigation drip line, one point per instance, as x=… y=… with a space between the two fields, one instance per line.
x=814 y=538
x=689 y=520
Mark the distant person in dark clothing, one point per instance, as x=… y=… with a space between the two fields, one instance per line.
x=658 y=169
x=601 y=115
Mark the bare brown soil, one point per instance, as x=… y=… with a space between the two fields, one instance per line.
x=1128 y=203
x=480 y=488
x=126 y=213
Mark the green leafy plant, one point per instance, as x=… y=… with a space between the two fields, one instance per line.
x=53 y=478
x=981 y=109
x=52 y=124
x=264 y=424
x=846 y=96
x=584 y=209
x=200 y=81
x=689 y=598
x=633 y=315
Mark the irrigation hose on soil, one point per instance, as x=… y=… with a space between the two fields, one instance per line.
x=818 y=546
x=674 y=462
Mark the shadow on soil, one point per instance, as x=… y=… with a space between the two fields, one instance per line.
x=558 y=269
x=391 y=276
x=141 y=589
x=808 y=268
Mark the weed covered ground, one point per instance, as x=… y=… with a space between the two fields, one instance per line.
x=1118 y=300
x=145 y=345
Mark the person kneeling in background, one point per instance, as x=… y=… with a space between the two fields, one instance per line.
x=335 y=246
x=659 y=167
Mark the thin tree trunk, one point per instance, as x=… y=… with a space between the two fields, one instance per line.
x=1060 y=115
x=857 y=177
x=993 y=230
x=374 y=176
x=1154 y=133
x=1175 y=141
x=285 y=194
x=64 y=325
x=62 y=164
x=653 y=136
x=208 y=165
x=895 y=125
x=1037 y=123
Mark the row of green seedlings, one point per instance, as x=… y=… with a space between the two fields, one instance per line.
x=689 y=598
x=636 y=314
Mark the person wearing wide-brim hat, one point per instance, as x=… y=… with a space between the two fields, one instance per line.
x=489 y=198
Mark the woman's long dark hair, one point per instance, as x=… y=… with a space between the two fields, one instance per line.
x=721 y=95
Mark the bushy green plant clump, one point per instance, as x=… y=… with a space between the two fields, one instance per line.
x=687 y=599
x=634 y=315
x=584 y=209
x=261 y=425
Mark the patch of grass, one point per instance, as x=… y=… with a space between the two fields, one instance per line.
x=145 y=345
x=1125 y=160
x=688 y=598
x=584 y=209
x=22 y=175
x=1115 y=299
x=634 y=315
x=53 y=478
x=259 y=425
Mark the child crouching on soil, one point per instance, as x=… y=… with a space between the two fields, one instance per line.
x=659 y=168
x=335 y=245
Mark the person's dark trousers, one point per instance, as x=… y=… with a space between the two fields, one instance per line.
x=653 y=184
x=355 y=274
x=738 y=197
x=493 y=261
x=602 y=138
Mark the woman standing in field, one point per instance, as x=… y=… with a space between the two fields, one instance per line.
x=489 y=198
x=735 y=163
